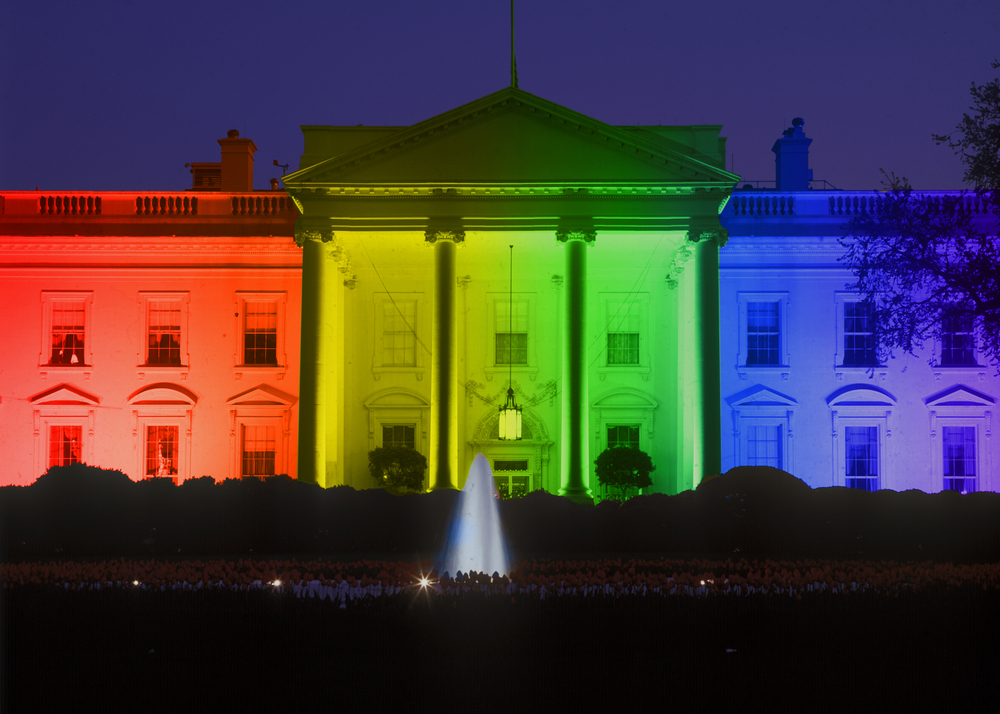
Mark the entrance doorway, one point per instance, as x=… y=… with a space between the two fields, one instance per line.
x=512 y=477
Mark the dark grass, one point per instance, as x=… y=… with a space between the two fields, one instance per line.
x=223 y=650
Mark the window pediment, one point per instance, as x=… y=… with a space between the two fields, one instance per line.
x=262 y=396
x=65 y=394
x=760 y=396
x=163 y=393
x=959 y=396
x=397 y=397
x=858 y=395
x=625 y=398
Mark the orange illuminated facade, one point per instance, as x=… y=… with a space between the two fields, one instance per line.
x=155 y=333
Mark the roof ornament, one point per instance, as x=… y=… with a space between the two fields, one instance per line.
x=513 y=61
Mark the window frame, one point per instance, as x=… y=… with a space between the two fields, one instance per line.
x=841 y=298
x=863 y=405
x=280 y=298
x=145 y=298
x=961 y=406
x=261 y=406
x=418 y=368
x=491 y=368
x=48 y=299
x=743 y=298
x=608 y=314
x=63 y=405
x=146 y=419
x=761 y=406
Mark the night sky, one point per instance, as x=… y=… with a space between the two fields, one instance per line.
x=119 y=95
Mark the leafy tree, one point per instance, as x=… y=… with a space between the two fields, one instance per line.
x=397 y=468
x=623 y=469
x=929 y=266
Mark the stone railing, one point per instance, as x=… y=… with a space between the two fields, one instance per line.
x=755 y=204
x=853 y=205
x=166 y=205
x=56 y=205
x=261 y=205
x=142 y=205
x=800 y=205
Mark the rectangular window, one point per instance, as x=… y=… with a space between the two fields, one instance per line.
x=861 y=463
x=511 y=478
x=623 y=332
x=859 y=343
x=399 y=435
x=260 y=333
x=627 y=436
x=959 y=458
x=764 y=446
x=957 y=341
x=68 y=332
x=164 y=337
x=763 y=333
x=512 y=332
x=65 y=445
x=258 y=451
x=161 y=450
x=399 y=324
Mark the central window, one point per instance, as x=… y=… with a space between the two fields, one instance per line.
x=398 y=435
x=511 y=478
x=627 y=436
x=399 y=324
x=512 y=332
x=861 y=459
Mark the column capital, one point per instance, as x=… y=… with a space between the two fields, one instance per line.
x=304 y=234
x=432 y=236
x=696 y=234
x=587 y=236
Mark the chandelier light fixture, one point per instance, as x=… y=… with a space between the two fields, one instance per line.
x=510 y=413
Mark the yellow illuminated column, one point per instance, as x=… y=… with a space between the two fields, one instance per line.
x=314 y=364
x=444 y=363
x=575 y=446
x=709 y=361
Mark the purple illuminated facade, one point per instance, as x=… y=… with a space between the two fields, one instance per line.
x=798 y=385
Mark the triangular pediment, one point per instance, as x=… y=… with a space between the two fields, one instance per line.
x=860 y=395
x=959 y=396
x=262 y=396
x=65 y=394
x=760 y=396
x=513 y=137
x=163 y=393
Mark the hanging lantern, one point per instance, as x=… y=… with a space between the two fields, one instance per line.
x=510 y=413
x=510 y=419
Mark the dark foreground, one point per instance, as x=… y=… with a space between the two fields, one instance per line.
x=216 y=651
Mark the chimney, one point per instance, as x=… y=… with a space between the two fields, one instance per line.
x=791 y=159
x=237 y=162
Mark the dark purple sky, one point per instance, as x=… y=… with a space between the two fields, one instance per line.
x=119 y=95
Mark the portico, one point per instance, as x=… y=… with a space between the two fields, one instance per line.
x=396 y=219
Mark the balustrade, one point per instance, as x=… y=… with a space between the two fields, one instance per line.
x=69 y=205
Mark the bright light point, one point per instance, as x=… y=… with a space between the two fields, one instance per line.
x=424 y=582
x=702 y=582
x=135 y=582
x=276 y=583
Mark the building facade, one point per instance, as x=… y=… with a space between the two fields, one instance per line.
x=155 y=333
x=801 y=390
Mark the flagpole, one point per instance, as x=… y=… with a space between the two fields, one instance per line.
x=513 y=61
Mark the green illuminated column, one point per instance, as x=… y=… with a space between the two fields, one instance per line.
x=444 y=363
x=575 y=448
x=314 y=364
x=709 y=361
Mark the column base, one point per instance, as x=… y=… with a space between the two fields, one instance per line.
x=583 y=497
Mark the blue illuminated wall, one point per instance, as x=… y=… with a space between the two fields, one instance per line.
x=793 y=392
